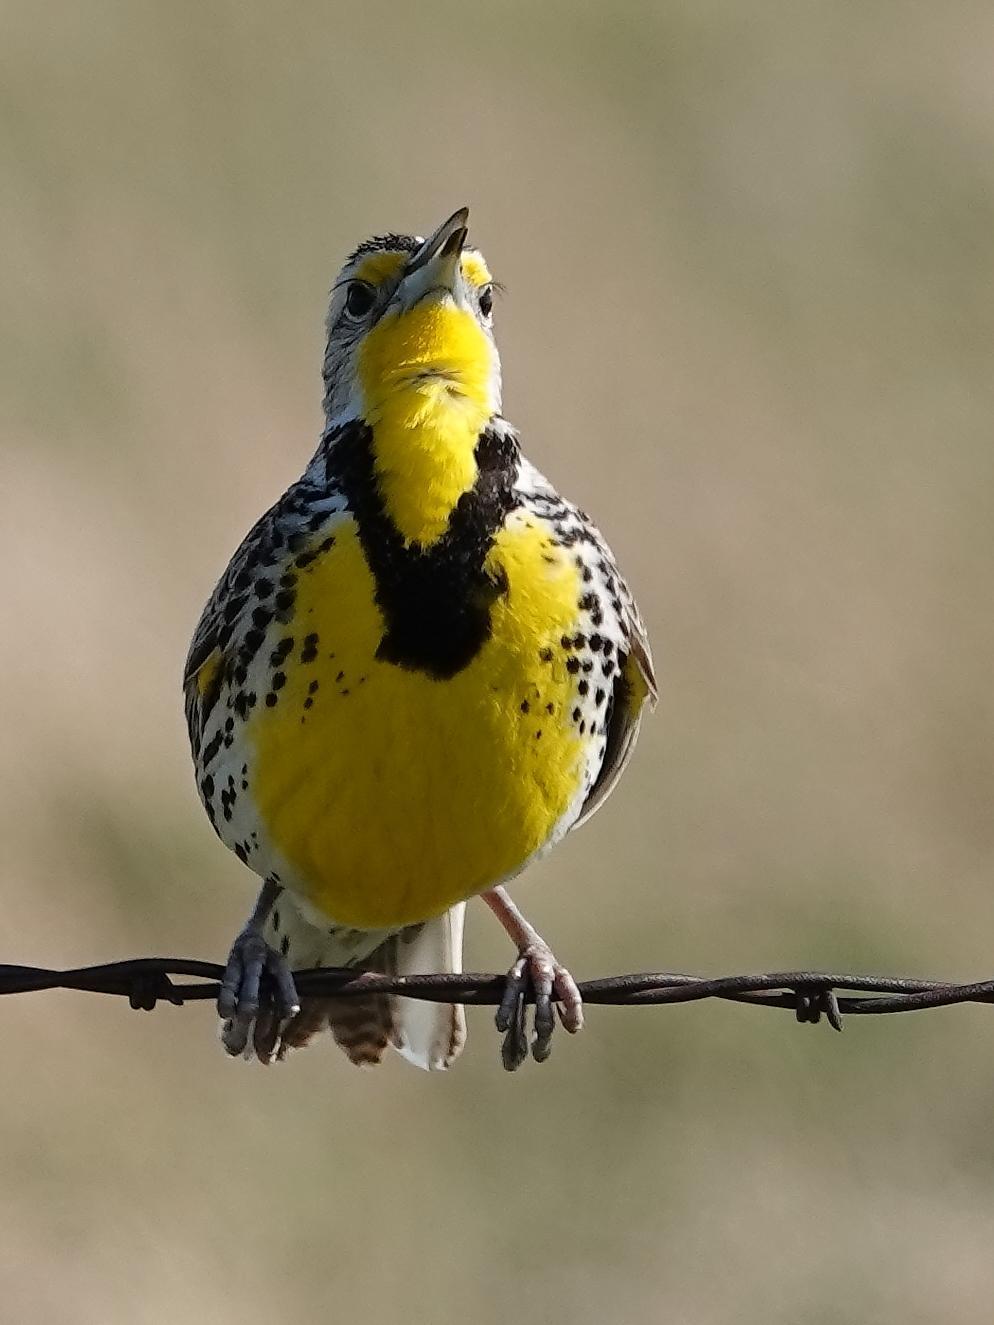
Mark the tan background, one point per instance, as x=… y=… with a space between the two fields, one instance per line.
x=748 y=256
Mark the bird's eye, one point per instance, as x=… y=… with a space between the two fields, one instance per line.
x=359 y=299
x=487 y=300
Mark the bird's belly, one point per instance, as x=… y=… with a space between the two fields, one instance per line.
x=390 y=794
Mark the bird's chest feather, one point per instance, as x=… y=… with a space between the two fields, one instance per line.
x=420 y=746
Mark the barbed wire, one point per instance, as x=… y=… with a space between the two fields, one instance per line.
x=810 y=995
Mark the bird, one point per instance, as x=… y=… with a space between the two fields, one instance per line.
x=421 y=668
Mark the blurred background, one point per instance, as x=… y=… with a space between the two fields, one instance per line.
x=749 y=259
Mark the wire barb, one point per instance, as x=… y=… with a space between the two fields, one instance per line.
x=810 y=995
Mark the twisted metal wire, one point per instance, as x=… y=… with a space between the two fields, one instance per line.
x=810 y=995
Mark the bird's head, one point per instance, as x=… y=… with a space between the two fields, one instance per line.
x=411 y=321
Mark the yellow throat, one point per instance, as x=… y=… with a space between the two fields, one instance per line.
x=426 y=377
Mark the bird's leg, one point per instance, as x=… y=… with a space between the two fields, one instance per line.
x=238 y=1002
x=549 y=980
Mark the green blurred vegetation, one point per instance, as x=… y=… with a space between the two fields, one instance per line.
x=749 y=256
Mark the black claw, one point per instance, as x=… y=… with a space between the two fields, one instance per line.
x=265 y=1035
x=248 y=996
x=514 y=1047
x=235 y=1037
x=541 y=1048
x=227 y=999
x=284 y=991
x=513 y=991
x=257 y=997
x=526 y=979
x=545 y=1023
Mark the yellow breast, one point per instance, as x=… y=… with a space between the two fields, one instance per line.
x=391 y=794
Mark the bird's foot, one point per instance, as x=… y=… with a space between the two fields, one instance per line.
x=257 y=997
x=537 y=972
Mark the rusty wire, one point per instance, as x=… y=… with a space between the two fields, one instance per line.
x=810 y=995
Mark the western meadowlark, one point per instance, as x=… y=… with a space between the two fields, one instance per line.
x=421 y=668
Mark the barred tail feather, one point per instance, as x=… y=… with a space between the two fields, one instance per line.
x=363 y=1027
x=430 y=1035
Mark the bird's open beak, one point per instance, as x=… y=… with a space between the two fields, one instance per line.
x=435 y=265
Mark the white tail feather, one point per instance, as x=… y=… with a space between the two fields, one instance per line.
x=431 y=1035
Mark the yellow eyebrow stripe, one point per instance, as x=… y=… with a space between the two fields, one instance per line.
x=475 y=269
x=376 y=268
